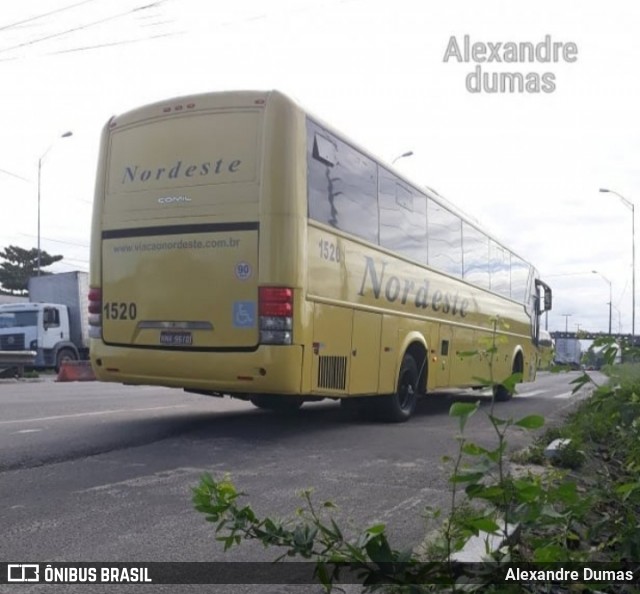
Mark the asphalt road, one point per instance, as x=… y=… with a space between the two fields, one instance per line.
x=103 y=472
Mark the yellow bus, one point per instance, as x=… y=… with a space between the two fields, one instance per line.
x=547 y=348
x=243 y=247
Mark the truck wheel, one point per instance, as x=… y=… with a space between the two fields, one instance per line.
x=277 y=403
x=398 y=407
x=64 y=355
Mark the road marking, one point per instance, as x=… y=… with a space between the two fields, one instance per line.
x=564 y=395
x=27 y=431
x=93 y=414
x=149 y=480
x=532 y=393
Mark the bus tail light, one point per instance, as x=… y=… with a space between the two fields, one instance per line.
x=275 y=308
x=95 y=313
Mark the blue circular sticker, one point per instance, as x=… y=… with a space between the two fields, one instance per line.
x=243 y=270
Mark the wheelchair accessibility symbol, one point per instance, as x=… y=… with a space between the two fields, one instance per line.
x=244 y=314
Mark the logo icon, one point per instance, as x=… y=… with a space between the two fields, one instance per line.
x=244 y=314
x=23 y=572
x=173 y=199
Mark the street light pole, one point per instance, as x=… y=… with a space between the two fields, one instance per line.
x=65 y=135
x=610 y=296
x=407 y=154
x=566 y=321
x=630 y=205
x=619 y=319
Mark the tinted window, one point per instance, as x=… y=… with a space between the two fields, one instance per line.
x=341 y=184
x=500 y=269
x=476 y=256
x=18 y=319
x=519 y=278
x=51 y=317
x=403 y=218
x=444 y=233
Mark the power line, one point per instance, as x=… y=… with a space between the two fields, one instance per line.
x=84 y=245
x=43 y=15
x=14 y=175
x=113 y=44
x=72 y=266
x=82 y=27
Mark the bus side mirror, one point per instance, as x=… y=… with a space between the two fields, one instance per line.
x=546 y=302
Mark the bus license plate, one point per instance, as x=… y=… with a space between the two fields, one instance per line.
x=176 y=338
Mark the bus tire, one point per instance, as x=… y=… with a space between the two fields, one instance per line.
x=64 y=355
x=501 y=393
x=398 y=407
x=277 y=403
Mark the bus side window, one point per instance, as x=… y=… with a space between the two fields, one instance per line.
x=341 y=185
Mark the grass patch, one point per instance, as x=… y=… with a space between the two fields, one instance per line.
x=603 y=462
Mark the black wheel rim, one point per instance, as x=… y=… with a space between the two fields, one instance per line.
x=406 y=390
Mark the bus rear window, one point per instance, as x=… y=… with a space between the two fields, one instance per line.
x=182 y=151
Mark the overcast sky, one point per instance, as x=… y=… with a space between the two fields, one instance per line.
x=526 y=165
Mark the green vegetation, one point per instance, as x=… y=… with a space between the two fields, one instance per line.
x=603 y=460
x=19 y=266
x=582 y=505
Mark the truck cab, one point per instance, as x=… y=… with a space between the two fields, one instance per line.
x=40 y=327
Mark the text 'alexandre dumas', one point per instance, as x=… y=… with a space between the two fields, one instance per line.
x=511 y=55
x=393 y=289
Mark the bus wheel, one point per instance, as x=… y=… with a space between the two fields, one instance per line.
x=277 y=403
x=398 y=407
x=63 y=356
x=501 y=393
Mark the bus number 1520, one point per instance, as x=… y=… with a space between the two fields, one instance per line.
x=329 y=251
x=120 y=311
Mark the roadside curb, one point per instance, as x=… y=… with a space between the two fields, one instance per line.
x=44 y=377
x=22 y=380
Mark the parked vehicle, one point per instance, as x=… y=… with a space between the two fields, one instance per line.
x=54 y=323
x=568 y=352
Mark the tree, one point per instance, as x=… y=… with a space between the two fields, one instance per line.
x=19 y=266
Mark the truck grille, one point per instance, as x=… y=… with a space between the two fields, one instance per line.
x=12 y=342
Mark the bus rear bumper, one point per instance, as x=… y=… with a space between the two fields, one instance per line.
x=267 y=370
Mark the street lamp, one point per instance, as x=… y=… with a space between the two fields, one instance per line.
x=610 y=298
x=619 y=319
x=65 y=135
x=407 y=154
x=631 y=206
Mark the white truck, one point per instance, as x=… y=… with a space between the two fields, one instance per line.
x=568 y=352
x=54 y=323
